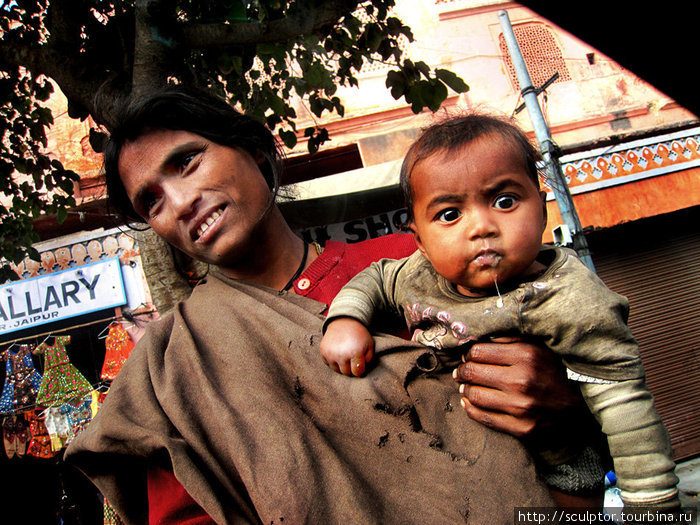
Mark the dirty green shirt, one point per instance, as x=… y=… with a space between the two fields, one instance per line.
x=571 y=311
x=568 y=308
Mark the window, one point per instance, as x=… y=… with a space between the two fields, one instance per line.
x=541 y=53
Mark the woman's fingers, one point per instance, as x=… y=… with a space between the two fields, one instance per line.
x=491 y=399
x=515 y=387
x=507 y=351
x=516 y=426
x=486 y=375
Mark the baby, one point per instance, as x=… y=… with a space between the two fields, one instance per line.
x=477 y=215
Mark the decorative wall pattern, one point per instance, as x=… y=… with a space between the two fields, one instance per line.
x=81 y=252
x=658 y=156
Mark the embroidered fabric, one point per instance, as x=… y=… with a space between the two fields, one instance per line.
x=110 y=515
x=78 y=415
x=58 y=428
x=40 y=443
x=15 y=433
x=119 y=346
x=22 y=380
x=62 y=381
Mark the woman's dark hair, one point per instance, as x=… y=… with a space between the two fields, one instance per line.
x=183 y=108
x=455 y=132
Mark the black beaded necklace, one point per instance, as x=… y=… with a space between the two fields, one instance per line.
x=299 y=270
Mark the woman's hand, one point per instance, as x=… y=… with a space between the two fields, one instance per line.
x=515 y=387
x=521 y=388
x=347 y=346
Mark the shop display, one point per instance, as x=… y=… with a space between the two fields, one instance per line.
x=56 y=374
x=61 y=382
x=40 y=443
x=15 y=434
x=118 y=346
x=22 y=380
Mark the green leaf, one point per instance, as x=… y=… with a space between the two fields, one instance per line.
x=61 y=215
x=396 y=82
x=289 y=138
x=452 y=80
x=97 y=139
x=435 y=93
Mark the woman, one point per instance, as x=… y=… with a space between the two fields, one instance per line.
x=225 y=410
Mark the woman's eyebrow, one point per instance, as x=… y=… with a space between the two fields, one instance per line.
x=176 y=153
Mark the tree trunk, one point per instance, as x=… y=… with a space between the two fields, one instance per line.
x=166 y=285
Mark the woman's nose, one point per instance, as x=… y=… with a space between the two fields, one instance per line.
x=182 y=198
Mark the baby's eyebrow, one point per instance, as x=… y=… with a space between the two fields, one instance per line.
x=501 y=185
x=447 y=198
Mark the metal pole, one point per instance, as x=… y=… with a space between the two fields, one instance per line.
x=549 y=151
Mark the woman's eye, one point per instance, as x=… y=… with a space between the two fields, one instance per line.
x=148 y=203
x=187 y=158
x=184 y=160
x=504 y=202
x=448 y=215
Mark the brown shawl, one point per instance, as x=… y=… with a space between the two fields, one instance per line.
x=258 y=429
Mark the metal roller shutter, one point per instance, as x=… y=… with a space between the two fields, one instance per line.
x=657 y=266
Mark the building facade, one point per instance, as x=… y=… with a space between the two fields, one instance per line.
x=630 y=157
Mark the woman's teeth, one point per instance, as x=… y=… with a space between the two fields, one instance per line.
x=208 y=222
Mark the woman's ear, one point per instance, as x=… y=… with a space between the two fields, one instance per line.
x=543 y=196
x=260 y=157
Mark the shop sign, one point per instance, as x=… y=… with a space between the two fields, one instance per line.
x=360 y=229
x=61 y=295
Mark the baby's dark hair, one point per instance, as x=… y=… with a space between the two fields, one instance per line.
x=453 y=133
x=181 y=108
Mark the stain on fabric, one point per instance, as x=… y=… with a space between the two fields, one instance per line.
x=298 y=390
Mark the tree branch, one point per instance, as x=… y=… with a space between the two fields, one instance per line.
x=77 y=79
x=152 y=49
x=63 y=23
x=306 y=21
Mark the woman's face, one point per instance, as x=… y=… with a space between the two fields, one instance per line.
x=203 y=198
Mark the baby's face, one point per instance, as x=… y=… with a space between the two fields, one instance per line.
x=478 y=217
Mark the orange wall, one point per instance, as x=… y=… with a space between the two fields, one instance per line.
x=628 y=202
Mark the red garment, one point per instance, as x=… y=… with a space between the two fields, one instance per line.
x=118 y=346
x=168 y=501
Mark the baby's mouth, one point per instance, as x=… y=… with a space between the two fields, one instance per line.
x=488 y=259
x=207 y=223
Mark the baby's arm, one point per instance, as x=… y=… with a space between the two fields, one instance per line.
x=637 y=439
x=347 y=346
x=586 y=324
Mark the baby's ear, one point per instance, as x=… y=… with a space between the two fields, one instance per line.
x=416 y=237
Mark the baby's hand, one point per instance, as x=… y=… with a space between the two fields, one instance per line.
x=347 y=346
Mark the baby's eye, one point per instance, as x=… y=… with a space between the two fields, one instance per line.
x=448 y=215
x=504 y=202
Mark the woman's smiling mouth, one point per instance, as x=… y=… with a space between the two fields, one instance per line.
x=206 y=224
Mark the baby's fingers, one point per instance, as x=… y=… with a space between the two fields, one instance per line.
x=359 y=362
x=357 y=366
